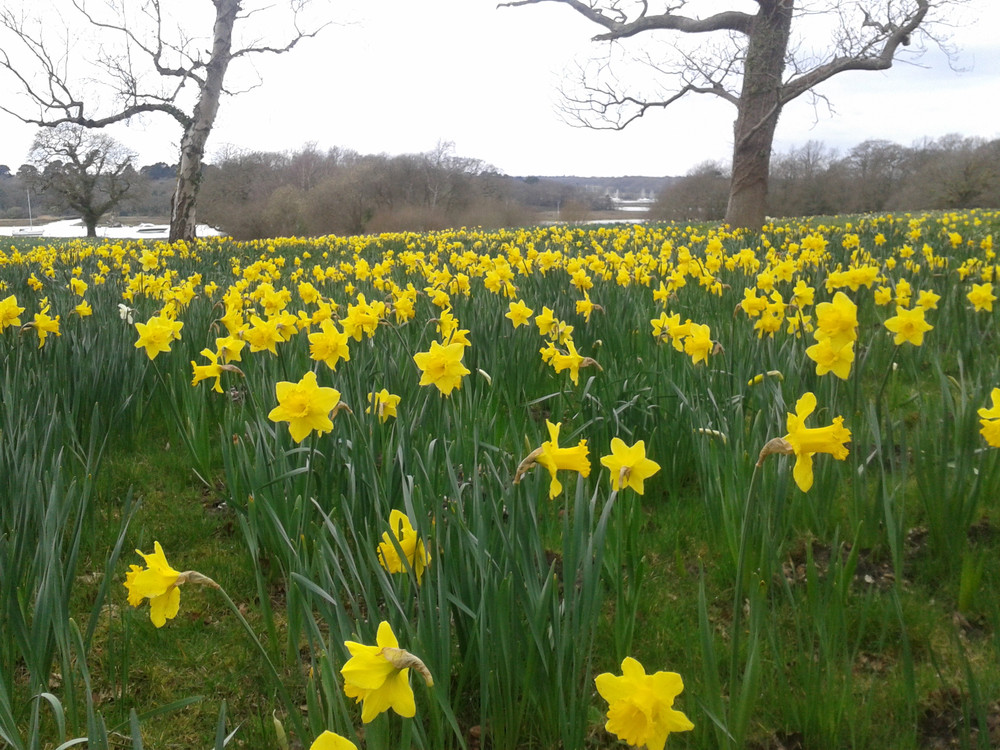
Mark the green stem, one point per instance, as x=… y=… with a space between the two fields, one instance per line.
x=310 y=469
x=881 y=388
x=740 y=568
x=181 y=424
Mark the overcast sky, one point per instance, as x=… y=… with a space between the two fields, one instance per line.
x=398 y=76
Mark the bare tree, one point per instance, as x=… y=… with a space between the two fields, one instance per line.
x=754 y=61
x=87 y=171
x=802 y=184
x=151 y=57
x=878 y=169
x=951 y=172
x=698 y=196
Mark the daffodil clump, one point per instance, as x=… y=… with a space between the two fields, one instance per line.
x=663 y=354
x=836 y=334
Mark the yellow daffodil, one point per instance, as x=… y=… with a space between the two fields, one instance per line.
x=156 y=582
x=442 y=366
x=230 y=348
x=753 y=305
x=661 y=325
x=439 y=298
x=545 y=321
x=928 y=300
x=586 y=307
x=447 y=324
x=561 y=332
x=832 y=358
x=362 y=318
x=628 y=465
x=519 y=313
x=990 y=420
x=678 y=331
x=44 y=325
x=982 y=297
x=581 y=280
x=804 y=442
x=908 y=326
x=263 y=334
x=903 y=293
x=156 y=334
x=802 y=294
x=159 y=583
x=698 y=345
x=548 y=352
x=411 y=545
x=212 y=370
x=378 y=676
x=385 y=404
x=9 y=312
x=149 y=260
x=329 y=345
x=641 y=706
x=758 y=379
x=554 y=459
x=883 y=296
x=306 y=406
x=331 y=741
x=571 y=360
x=768 y=323
x=837 y=320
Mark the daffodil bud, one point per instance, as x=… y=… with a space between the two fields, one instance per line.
x=526 y=465
x=279 y=730
x=400 y=658
x=775 y=445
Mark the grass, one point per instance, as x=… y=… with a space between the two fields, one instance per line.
x=205 y=652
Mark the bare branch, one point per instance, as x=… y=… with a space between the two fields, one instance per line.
x=134 y=42
x=876 y=53
x=607 y=106
x=261 y=49
x=619 y=27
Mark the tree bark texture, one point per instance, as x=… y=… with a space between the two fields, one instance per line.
x=182 y=217
x=757 y=118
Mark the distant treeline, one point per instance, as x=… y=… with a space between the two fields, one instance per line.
x=951 y=172
x=253 y=194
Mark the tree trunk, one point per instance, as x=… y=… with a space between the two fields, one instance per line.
x=759 y=108
x=197 y=130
